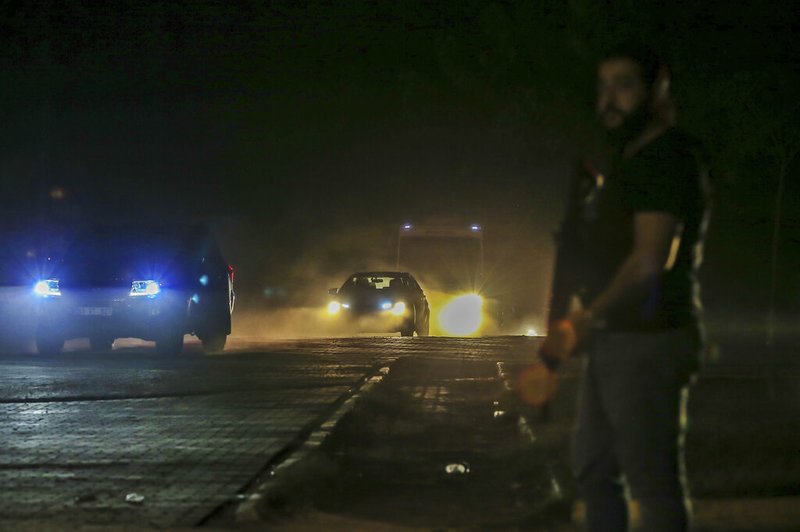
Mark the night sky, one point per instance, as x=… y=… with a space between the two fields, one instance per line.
x=295 y=128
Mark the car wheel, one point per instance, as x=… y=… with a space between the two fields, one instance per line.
x=101 y=343
x=170 y=343
x=214 y=343
x=408 y=328
x=49 y=344
x=424 y=328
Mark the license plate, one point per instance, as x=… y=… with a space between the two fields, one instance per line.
x=94 y=311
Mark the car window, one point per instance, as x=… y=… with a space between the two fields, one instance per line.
x=22 y=267
x=373 y=282
x=8 y=271
x=104 y=253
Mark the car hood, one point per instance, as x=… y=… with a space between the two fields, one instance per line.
x=119 y=274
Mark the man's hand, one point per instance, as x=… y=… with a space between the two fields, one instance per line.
x=561 y=340
x=564 y=336
x=582 y=322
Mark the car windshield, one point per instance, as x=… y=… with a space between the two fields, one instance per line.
x=17 y=271
x=120 y=248
x=373 y=282
x=21 y=261
x=100 y=255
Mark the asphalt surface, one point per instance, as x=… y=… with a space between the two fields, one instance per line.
x=370 y=433
x=440 y=443
x=131 y=437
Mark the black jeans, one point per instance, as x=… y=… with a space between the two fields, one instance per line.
x=630 y=429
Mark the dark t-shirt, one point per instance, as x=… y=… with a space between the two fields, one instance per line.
x=668 y=176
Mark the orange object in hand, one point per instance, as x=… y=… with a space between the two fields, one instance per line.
x=561 y=341
x=537 y=385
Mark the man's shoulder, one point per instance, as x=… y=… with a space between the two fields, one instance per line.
x=673 y=145
x=664 y=175
x=674 y=154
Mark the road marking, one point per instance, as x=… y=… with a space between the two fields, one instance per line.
x=306 y=441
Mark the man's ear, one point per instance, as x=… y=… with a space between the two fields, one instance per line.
x=661 y=84
x=661 y=104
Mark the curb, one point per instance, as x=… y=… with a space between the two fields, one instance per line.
x=247 y=511
x=729 y=515
x=773 y=513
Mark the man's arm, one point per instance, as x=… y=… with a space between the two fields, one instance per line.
x=567 y=278
x=653 y=234
x=652 y=249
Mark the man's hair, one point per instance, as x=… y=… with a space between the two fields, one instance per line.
x=645 y=56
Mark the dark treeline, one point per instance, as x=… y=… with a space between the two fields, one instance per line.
x=303 y=116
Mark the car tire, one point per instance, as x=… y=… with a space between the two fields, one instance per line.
x=101 y=343
x=214 y=343
x=424 y=328
x=170 y=343
x=49 y=344
x=408 y=328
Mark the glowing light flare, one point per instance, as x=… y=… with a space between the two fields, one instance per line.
x=531 y=332
x=48 y=288
x=334 y=307
x=398 y=309
x=57 y=193
x=462 y=316
x=147 y=288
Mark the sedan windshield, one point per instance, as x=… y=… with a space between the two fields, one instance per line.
x=112 y=256
x=373 y=282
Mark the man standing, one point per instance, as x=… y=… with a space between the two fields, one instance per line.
x=629 y=250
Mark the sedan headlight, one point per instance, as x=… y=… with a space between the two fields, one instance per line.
x=398 y=309
x=47 y=288
x=463 y=315
x=334 y=307
x=148 y=288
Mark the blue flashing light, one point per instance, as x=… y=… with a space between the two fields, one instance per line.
x=148 y=288
x=47 y=288
x=203 y=280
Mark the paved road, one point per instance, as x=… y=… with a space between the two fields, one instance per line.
x=84 y=431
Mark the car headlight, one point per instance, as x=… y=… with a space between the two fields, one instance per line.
x=399 y=308
x=148 y=288
x=463 y=315
x=334 y=307
x=47 y=288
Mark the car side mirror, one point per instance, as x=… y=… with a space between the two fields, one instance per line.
x=333 y=291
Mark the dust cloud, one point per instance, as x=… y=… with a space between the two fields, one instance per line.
x=288 y=299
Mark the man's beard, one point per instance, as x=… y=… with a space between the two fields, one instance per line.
x=631 y=127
